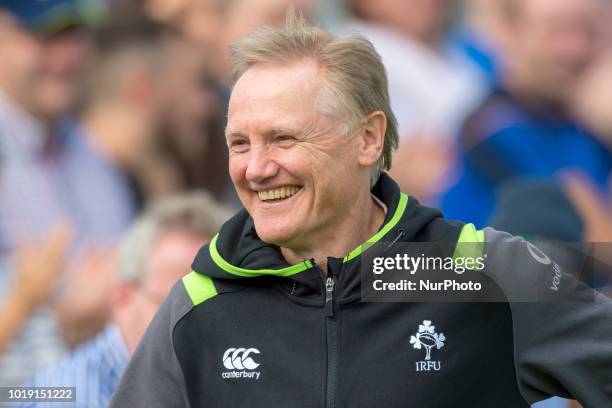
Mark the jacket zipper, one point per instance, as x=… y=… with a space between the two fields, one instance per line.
x=329 y=297
x=331 y=328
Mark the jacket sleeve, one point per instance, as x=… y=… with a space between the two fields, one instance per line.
x=154 y=377
x=562 y=328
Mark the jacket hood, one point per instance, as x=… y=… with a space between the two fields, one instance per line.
x=237 y=252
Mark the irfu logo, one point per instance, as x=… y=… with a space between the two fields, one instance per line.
x=427 y=338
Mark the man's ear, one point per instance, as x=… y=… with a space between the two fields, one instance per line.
x=373 y=139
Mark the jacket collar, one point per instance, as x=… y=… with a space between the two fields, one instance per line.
x=237 y=253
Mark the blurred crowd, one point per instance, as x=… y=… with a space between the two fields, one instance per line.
x=113 y=162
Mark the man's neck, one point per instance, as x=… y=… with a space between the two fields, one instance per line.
x=344 y=237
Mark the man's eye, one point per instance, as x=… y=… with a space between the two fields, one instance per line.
x=285 y=139
x=239 y=146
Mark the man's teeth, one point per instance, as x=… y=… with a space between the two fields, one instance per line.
x=278 y=193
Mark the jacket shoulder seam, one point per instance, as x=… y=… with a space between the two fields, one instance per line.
x=200 y=288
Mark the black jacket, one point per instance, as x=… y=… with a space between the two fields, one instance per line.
x=245 y=329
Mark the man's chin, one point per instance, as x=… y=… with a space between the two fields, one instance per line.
x=276 y=236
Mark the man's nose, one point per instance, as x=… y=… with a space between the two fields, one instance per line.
x=261 y=166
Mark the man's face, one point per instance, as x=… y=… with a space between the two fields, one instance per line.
x=293 y=168
x=554 y=40
x=170 y=260
x=43 y=74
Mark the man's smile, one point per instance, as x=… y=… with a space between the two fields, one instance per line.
x=278 y=194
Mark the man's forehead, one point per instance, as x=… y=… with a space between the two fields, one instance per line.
x=282 y=96
x=270 y=122
x=283 y=84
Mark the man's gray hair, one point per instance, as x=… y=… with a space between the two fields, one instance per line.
x=355 y=80
x=196 y=213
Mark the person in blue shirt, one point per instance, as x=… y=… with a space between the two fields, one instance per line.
x=156 y=253
x=51 y=179
x=524 y=128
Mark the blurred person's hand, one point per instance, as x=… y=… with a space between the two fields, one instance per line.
x=420 y=164
x=84 y=306
x=38 y=265
x=593 y=99
x=595 y=213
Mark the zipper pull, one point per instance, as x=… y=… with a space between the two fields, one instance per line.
x=329 y=296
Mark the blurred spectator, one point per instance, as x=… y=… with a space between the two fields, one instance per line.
x=593 y=99
x=120 y=116
x=196 y=83
x=432 y=87
x=157 y=252
x=189 y=151
x=48 y=173
x=596 y=216
x=479 y=37
x=525 y=128
x=540 y=211
x=241 y=17
x=37 y=267
x=192 y=121
x=537 y=210
x=594 y=211
x=214 y=24
x=553 y=216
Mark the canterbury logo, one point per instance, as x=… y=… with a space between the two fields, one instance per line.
x=238 y=358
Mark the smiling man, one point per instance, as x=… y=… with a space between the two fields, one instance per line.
x=285 y=138
x=274 y=314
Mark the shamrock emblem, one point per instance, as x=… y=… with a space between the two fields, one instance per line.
x=428 y=338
